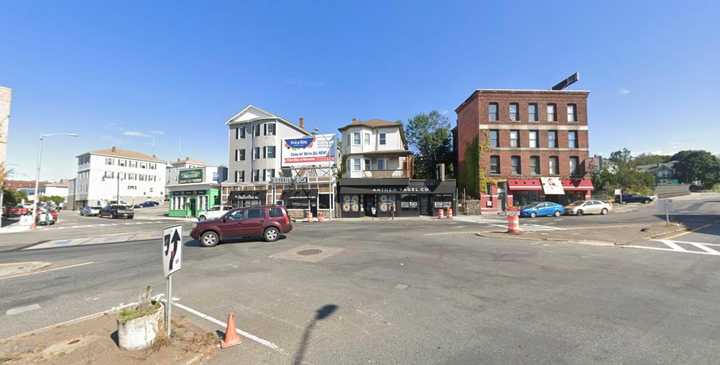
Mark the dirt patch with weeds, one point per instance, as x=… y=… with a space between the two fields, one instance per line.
x=94 y=341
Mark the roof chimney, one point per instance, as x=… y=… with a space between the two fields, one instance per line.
x=301 y=123
x=114 y=149
x=354 y=119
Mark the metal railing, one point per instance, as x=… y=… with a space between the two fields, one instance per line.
x=385 y=173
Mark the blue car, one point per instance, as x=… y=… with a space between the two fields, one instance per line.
x=544 y=209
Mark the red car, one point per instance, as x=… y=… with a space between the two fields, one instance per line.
x=267 y=222
x=16 y=211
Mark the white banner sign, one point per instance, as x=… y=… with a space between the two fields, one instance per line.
x=552 y=186
x=317 y=150
x=172 y=249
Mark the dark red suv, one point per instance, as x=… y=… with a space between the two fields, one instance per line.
x=266 y=222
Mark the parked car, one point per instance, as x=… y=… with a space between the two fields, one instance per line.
x=16 y=211
x=581 y=207
x=267 y=222
x=542 y=209
x=89 y=211
x=214 y=212
x=147 y=204
x=117 y=211
x=632 y=198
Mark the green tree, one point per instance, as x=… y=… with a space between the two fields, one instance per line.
x=52 y=198
x=650 y=159
x=430 y=139
x=623 y=176
x=697 y=167
x=12 y=197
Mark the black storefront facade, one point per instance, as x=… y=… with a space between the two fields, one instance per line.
x=402 y=197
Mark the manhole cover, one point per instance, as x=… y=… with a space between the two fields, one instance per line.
x=309 y=252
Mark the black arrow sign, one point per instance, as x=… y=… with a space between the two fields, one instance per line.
x=174 y=240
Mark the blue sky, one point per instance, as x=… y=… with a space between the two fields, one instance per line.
x=145 y=75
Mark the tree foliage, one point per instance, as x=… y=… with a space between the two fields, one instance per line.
x=429 y=137
x=650 y=159
x=623 y=176
x=12 y=197
x=700 y=167
x=52 y=198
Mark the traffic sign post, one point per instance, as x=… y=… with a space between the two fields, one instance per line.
x=172 y=261
x=665 y=206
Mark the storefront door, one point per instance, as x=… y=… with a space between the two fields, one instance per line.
x=425 y=208
x=193 y=206
x=369 y=204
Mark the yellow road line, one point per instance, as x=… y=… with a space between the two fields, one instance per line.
x=688 y=232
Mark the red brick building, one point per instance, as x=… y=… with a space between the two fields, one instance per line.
x=524 y=144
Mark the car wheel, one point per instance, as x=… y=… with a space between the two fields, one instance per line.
x=604 y=211
x=580 y=212
x=533 y=215
x=557 y=213
x=209 y=239
x=271 y=234
x=201 y=218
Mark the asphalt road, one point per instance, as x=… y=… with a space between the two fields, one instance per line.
x=421 y=292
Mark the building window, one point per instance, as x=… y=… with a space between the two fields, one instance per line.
x=572 y=113
x=356 y=138
x=553 y=165
x=257 y=130
x=551 y=112
x=264 y=175
x=356 y=164
x=533 y=112
x=494 y=138
x=514 y=138
x=270 y=151
x=367 y=139
x=515 y=164
x=513 y=111
x=495 y=165
x=533 y=139
x=381 y=164
x=572 y=139
x=242 y=155
x=256 y=176
x=257 y=153
x=574 y=166
x=552 y=139
x=242 y=131
x=535 y=165
x=109 y=161
x=492 y=112
x=383 y=138
x=368 y=166
x=270 y=129
x=241 y=176
x=270 y=173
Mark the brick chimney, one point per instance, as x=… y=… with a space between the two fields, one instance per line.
x=301 y=123
x=114 y=149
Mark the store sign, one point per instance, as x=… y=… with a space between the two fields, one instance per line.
x=552 y=186
x=190 y=176
x=285 y=180
x=318 y=150
x=407 y=189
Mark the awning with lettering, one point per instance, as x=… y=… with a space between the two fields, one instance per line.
x=524 y=184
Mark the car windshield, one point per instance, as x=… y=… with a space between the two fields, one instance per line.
x=121 y=207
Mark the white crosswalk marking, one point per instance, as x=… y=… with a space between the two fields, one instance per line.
x=676 y=246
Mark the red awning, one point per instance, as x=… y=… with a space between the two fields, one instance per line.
x=524 y=184
x=577 y=184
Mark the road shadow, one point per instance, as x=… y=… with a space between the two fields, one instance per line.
x=196 y=243
x=695 y=221
x=321 y=314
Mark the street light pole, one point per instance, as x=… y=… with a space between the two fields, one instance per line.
x=37 y=176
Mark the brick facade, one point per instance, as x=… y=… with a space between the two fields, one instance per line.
x=474 y=122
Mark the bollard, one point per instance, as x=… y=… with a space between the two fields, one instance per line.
x=309 y=216
x=321 y=217
x=441 y=213
x=449 y=213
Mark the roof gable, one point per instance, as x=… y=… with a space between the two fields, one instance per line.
x=252 y=113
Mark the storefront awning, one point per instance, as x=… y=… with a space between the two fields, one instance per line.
x=524 y=184
x=577 y=184
x=445 y=187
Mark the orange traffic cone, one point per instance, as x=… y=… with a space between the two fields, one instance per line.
x=231 y=336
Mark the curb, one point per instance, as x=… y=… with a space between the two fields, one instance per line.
x=517 y=237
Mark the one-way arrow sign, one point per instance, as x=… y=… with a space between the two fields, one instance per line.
x=172 y=249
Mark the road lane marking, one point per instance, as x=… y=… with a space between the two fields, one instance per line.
x=23 y=309
x=222 y=324
x=674 y=247
x=48 y=270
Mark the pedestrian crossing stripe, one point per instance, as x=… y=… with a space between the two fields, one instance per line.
x=703 y=248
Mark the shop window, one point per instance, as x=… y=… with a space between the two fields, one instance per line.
x=408 y=202
x=442 y=201
x=387 y=203
x=351 y=203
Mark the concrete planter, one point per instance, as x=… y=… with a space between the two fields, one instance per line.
x=139 y=333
